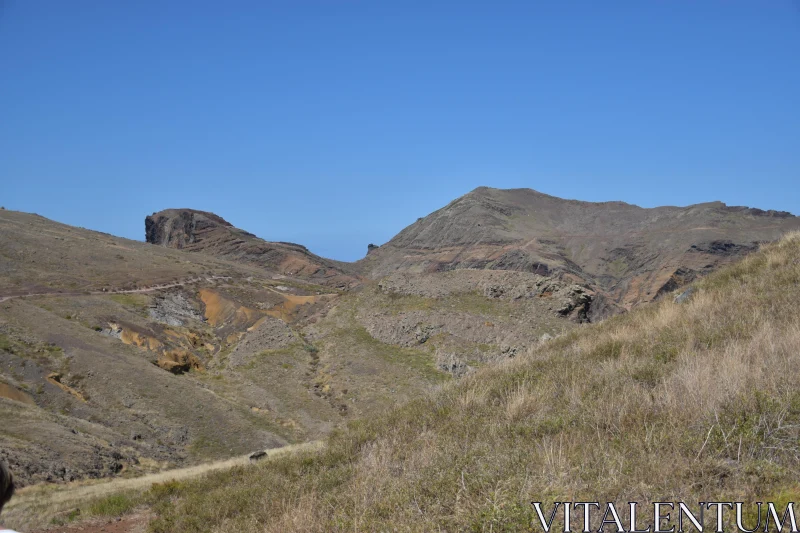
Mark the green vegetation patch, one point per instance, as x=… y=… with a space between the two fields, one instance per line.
x=358 y=337
x=114 y=505
x=5 y=343
x=136 y=301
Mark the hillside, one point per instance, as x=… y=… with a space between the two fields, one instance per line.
x=685 y=401
x=626 y=253
x=119 y=358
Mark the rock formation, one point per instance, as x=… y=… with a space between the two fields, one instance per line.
x=200 y=231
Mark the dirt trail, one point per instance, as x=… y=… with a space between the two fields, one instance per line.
x=59 y=498
x=152 y=288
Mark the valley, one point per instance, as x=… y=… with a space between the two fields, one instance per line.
x=121 y=358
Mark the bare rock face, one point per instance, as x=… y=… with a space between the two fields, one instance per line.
x=626 y=254
x=179 y=228
x=200 y=231
x=173 y=309
x=568 y=299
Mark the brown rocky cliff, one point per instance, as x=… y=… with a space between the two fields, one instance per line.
x=200 y=231
x=177 y=228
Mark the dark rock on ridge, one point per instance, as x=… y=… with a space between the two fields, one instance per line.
x=200 y=231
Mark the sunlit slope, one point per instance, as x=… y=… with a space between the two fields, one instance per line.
x=691 y=401
x=628 y=254
x=121 y=358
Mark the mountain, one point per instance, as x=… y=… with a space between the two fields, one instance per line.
x=126 y=357
x=684 y=400
x=199 y=231
x=622 y=254
x=120 y=357
x=628 y=254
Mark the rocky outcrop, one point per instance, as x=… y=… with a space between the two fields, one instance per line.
x=567 y=299
x=173 y=309
x=179 y=228
x=200 y=231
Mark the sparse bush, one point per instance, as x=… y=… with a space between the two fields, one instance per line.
x=113 y=505
x=310 y=348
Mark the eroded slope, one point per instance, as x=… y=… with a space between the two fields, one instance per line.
x=629 y=254
x=199 y=231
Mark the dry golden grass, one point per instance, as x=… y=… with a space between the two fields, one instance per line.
x=33 y=506
x=693 y=401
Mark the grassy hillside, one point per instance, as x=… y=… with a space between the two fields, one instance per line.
x=692 y=401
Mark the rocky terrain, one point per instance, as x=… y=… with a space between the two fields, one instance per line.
x=194 y=231
x=685 y=398
x=120 y=357
x=628 y=254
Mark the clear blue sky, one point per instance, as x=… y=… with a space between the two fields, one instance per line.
x=335 y=123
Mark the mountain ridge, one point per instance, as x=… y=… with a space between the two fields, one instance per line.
x=193 y=230
x=96 y=328
x=628 y=252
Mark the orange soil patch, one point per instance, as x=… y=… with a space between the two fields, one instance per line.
x=55 y=379
x=220 y=310
x=233 y=338
x=176 y=360
x=179 y=360
x=140 y=340
x=7 y=391
x=286 y=309
x=187 y=339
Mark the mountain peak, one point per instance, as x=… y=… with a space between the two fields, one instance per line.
x=631 y=253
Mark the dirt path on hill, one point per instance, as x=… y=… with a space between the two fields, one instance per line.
x=62 y=498
x=151 y=288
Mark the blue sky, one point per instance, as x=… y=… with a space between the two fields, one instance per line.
x=336 y=123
